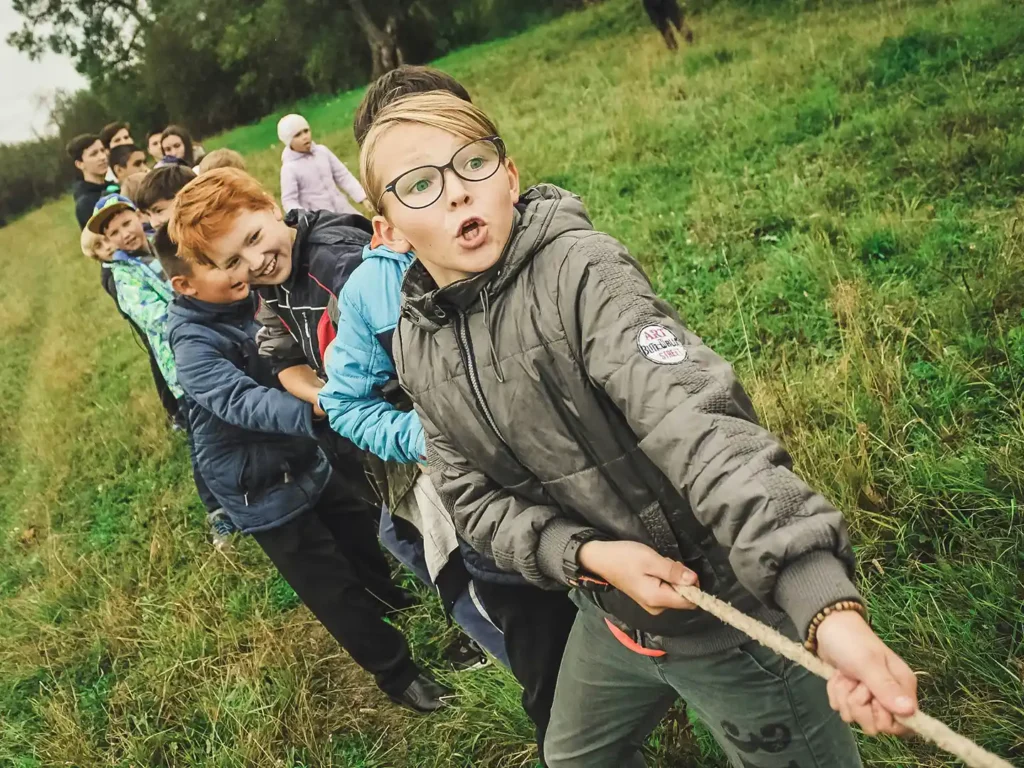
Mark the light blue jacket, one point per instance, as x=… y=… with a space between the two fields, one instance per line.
x=360 y=362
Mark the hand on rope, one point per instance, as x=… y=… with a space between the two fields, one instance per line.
x=867 y=682
x=872 y=685
x=925 y=726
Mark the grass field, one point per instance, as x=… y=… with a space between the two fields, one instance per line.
x=833 y=198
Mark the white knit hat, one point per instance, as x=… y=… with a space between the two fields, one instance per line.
x=288 y=126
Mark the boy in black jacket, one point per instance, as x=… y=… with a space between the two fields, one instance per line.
x=256 y=448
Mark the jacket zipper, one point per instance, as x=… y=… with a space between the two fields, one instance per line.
x=309 y=335
x=466 y=348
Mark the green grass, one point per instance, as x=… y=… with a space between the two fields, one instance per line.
x=832 y=198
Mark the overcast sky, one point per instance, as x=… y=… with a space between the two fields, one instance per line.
x=22 y=82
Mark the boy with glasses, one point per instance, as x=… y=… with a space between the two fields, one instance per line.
x=365 y=404
x=585 y=437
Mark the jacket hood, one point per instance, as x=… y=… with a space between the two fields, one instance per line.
x=543 y=213
x=290 y=155
x=320 y=228
x=186 y=309
x=383 y=252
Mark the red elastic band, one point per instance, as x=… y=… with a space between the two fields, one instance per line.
x=630 y=643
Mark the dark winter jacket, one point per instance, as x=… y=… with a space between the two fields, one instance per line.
x=297 y=325
x=560 y=395
x=255 y=445
x=86 y=195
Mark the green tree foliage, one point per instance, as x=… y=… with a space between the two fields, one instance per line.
x=214 y=64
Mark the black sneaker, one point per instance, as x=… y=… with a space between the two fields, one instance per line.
x=464 y=654
x=423 y=695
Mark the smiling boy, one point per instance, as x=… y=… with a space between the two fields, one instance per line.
x=256 y=447
x=585 y=437
x=141 y=290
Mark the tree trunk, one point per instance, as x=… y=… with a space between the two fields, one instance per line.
x=384 y=47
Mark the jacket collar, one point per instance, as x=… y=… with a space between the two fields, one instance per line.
x=290 y=155
x=236 y=311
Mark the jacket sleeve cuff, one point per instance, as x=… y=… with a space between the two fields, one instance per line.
x=419 y=443
x=554 y=539
x=810 y=584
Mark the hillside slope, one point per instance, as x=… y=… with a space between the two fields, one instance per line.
x=832 y=199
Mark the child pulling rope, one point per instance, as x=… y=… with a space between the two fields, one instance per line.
x=928 y=727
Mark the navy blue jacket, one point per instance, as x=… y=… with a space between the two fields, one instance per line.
x=255 y=444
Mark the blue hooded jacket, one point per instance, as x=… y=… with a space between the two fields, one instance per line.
x=360 y=362
x=254 y=444
x=360 y=365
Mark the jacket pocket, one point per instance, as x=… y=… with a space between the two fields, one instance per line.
x=263 y=467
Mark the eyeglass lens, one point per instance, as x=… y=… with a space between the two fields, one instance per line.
x=421 y=187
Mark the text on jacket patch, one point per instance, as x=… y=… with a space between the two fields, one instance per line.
x=658 y=344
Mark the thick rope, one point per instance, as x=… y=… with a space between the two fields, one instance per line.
x=928 y=727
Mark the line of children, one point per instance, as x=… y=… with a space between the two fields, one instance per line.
x=578 y=436
x=299 y=263
x=143 y=295
x=256 y=446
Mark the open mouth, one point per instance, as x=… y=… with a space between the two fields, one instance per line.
x=472 y=233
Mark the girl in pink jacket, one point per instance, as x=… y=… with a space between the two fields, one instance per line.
x=311 y=174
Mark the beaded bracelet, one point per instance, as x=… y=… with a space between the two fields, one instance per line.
x=843 y=605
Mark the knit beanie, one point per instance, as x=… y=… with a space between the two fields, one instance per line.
x=288 y=126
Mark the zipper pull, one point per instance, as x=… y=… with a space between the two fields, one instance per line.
x=246 y=497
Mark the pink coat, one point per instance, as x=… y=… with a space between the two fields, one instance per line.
x=311 y=179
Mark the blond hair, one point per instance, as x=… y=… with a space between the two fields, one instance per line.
x=221 y=158
x=437 y=109
x=91 y=243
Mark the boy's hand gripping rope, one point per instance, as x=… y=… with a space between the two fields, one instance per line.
x=928 y=727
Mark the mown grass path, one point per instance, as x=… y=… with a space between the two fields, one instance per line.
x=832 y=198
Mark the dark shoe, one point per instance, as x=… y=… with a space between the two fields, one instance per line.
x=221 y=529
x=423 y=695
x=464 y=654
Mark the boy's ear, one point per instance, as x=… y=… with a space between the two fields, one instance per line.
x=390 y=235
x=181 y=285
x=513 y=179
x=79 y=165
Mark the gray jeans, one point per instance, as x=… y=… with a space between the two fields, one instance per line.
x=764 y=711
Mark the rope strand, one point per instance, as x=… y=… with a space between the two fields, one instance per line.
x=928 y=727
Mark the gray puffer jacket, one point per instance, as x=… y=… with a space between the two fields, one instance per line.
x=560 y=394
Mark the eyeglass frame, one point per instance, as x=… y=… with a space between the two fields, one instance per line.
x=450 y=165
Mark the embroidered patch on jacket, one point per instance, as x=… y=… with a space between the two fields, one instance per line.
x=658 y=344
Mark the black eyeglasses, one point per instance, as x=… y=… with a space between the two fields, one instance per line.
x=422 y=187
